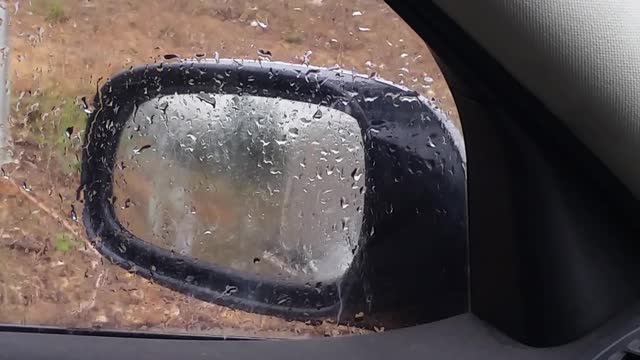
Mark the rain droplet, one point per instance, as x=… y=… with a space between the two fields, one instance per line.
x=72 y=214
x=262 y=24
x=265 y=54
x=69 y=132
x=229 y=290
x=345 y=223
x=143 y=148
x=306 y=58
x=26 y=187
x=171 y=56
x=207 y=98
x=430 y=142
x=355 y=175
x=318 y=114
x=85 y=106
x=364 y=29
x=356 y=13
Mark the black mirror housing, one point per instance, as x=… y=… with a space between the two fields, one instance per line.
x=410 y=264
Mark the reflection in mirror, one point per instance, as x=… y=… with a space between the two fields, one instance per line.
x=261 y=185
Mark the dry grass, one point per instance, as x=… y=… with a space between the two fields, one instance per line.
x=60 y=51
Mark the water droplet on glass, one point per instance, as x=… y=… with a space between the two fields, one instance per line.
x=364 y=29
x=356 y=13
x=141 y=149
x=306 y=58
x=68 y=132
x=72 y=214
x=262 y=25
x=264 y=54
x=85 y=106
x=430 y=142
x=26 y=187
x=171 y=56
x=318 y=114
x=355 y=175
x=345 y=223
x=229 y=290
x=208 y=98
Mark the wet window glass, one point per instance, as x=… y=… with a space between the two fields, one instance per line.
x=244 y=182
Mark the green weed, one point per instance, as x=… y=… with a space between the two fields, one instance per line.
x=54 y=123
x=52 y=10
x=64 y=242
x=56 y=13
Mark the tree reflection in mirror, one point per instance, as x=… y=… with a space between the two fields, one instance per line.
x=262 y=185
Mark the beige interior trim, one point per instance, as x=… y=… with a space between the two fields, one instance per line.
x=580 y=57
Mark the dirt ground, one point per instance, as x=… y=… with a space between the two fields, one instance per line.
x=61 y=50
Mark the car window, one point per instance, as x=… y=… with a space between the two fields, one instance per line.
x=57 y=55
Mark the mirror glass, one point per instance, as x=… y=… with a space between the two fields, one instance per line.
x=262 y=185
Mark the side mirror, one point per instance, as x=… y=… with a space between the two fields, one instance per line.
x=296 y=191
